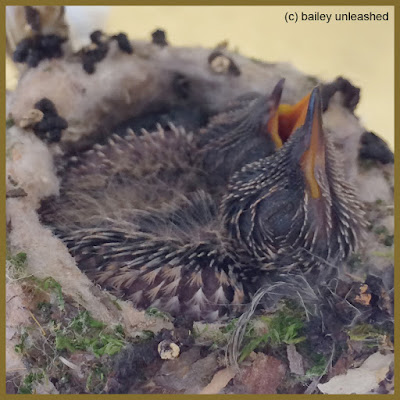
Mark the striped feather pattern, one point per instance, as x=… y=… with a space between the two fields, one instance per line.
x=198 y=279
x=190 y=224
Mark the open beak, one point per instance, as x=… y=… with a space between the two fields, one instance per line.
x=313 y=149
x=285 y=118
x=273 y=122
x=292 y=117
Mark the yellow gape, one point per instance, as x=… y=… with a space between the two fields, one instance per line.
x=286 y=120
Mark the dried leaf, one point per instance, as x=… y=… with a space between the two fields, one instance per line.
x=263 y=376
x=360 y=380
x=296 y=365
x=219 y=381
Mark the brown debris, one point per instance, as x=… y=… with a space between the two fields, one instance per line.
x=296 y=364
x=364 y=297
x=341 y=366
x=263 y=376
x=187 y=374
x=219 y=381
x=19 y=192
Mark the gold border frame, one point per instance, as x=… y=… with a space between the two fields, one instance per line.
x=395 y=3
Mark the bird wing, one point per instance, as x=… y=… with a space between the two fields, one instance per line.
x=199 y=279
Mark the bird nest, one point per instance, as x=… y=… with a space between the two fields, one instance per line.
x=67 y=335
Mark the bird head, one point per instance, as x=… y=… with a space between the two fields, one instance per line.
x=241 y=133
x=295 y=200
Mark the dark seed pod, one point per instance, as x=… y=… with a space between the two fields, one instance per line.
x=123 y=43
x=159 y=38
x=51 y=126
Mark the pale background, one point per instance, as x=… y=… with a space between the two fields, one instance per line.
x=362 y=51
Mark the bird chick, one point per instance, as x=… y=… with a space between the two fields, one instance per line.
x=134 y=172
x=245 y=131
x=295 y=208
x=194 y=255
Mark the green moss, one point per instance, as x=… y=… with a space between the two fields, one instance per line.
x=284 y=327
x=230 y=326
x=116 y=304
x=18 y=264
x=55 y=334
x=97 y=379
x=89 y=334
x=26 y=386
x=355 y=262
x=146 y=335
x=20 y=347
x=381 y=230
x=19 y=260
x=51 y=284
x=389 y=240
x=319 y=367
x=119 y=331
x=215 y=337
x=384 y=235
x=9 y=122
x=45 y=309
x=155 y=312
x=83 y=323
x=384 y=254
x=367 y=333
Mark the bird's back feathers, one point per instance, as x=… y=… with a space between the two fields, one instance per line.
x=174 y=260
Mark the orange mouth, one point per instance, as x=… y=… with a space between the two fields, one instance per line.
x=286 y=119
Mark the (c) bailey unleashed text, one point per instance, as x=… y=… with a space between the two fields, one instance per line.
x=328 y=17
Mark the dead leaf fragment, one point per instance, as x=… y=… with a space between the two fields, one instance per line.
x=364 y=297
x=360 y=380
x=219 y=381
x=296 y=365
x=19 y=192
x=263 y=376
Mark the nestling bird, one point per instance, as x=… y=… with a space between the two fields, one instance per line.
x=195 y=254
x=140 y=172
x=295 y=203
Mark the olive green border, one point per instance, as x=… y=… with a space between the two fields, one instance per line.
x=395 y=3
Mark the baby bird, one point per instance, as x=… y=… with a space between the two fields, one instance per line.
x=140 y=172
x=203 y=257
x=294 y=208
